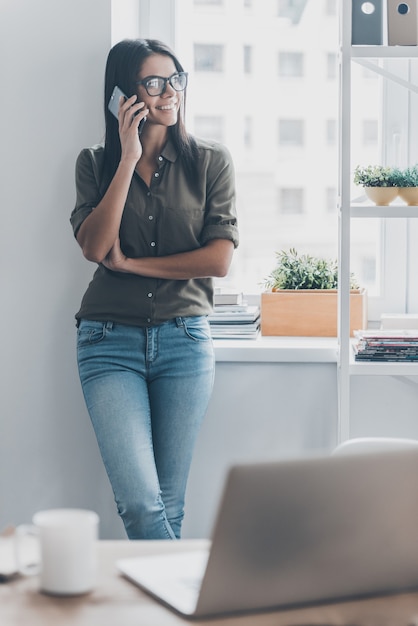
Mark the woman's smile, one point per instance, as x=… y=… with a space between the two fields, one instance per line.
x=167 y=107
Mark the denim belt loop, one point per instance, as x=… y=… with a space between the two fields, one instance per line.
x=109 y=325
x=179 y=322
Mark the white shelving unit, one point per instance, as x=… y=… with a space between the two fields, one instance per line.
x=363 y=55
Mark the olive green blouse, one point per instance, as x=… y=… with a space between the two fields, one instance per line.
x=166 y=218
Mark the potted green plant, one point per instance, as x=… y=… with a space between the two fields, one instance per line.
x=300 y=297
x=408 y=184
x=380 y=182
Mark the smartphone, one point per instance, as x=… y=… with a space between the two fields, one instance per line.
x=113 y=106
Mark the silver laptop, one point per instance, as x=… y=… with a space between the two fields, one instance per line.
x=297 y=532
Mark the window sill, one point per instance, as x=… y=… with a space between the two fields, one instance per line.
x=277 y=350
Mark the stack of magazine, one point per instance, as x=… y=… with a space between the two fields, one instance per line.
x=386 y=345
x=233 y=318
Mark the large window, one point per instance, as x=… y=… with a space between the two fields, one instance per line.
x=279 y=109
x=264 y=81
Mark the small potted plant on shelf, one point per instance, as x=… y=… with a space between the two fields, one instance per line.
x=300 y=298
x=408 y=185
x=380 y=182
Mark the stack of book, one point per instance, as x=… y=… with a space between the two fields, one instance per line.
x=232 y=318
x=226 y=297
x=386 y=345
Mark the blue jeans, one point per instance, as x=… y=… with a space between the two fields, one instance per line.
x=147 y=391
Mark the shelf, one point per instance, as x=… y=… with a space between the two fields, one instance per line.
x=401 y=75
x=277 y=350
x=377 y=52
x=393 y=210
x=389 y=368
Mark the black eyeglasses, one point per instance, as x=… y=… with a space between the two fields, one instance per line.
x=156 y=85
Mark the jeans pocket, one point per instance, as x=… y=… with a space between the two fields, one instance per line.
x=90 y=332
x=197 y=328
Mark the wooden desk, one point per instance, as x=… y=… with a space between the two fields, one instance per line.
x=117 y=602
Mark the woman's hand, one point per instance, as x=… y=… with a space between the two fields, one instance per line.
x=115 y=260
x=130 y=115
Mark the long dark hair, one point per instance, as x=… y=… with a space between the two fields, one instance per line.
x=123 y=64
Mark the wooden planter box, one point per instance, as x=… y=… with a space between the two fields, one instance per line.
x=309 y=312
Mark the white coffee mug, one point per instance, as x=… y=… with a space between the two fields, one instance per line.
x=68 y=542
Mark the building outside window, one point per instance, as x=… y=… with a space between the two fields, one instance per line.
x=291 y=132
x=291 y=9
x=291 y=201
x=291 y=64
x=210 y=127
x=247 y=59
x=331 y=199
x=331 y=132
x=370 y=132
x=208 y=2
x=282 y=169
x=332 y=65
x=208 y=57
x=248 y=132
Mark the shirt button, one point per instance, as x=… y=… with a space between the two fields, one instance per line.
x=149 y=295
x=150 y=217
x=148 y=319
x=152 y=244
x=160 y=158
x=148 y=194
x=156 y=175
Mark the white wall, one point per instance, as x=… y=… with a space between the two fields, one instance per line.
x=52 y=56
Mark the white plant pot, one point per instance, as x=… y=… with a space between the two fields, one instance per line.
x=409 y=195
x=382 y=196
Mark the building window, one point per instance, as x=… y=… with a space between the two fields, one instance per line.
x=368 y=273
x=291 y=64
x=248 y=59
x=209 y=127
x=248 y=132
x=369 y=132
x=291 y=201
x=208 y=58
x=291 y=132
x=332 y=66
x=331 y=132
x=208 y=2
x=292 y=9
x=331 y=199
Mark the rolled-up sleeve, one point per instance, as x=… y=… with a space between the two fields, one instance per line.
x=220 y=210
x=88 y=193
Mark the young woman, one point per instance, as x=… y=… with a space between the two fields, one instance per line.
x=156 y=212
